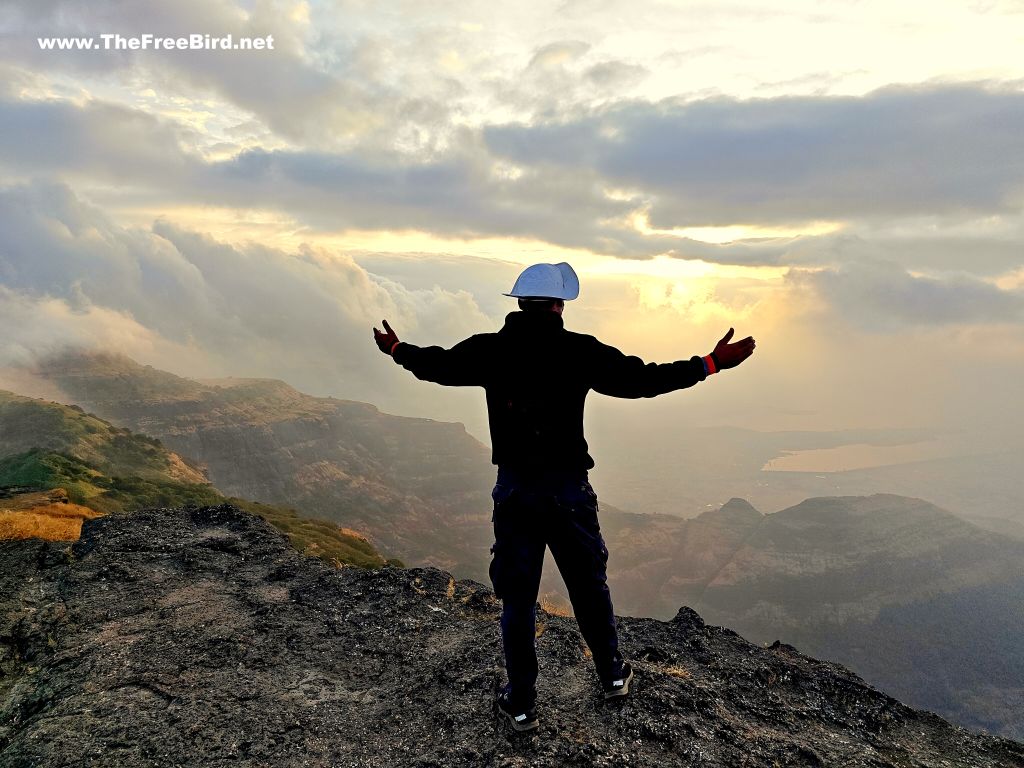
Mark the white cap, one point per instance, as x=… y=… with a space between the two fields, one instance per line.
x=548 y=281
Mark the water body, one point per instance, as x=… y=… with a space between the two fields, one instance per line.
x=859 y=456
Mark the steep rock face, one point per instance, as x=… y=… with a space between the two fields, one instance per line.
x=195 y=636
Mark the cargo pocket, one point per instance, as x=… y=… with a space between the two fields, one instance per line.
x=500 y=496
x=580 y=501
x=493 y=570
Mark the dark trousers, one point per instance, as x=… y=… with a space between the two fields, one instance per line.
x=558 y=510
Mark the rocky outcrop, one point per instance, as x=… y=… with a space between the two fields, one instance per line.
x=196 y=636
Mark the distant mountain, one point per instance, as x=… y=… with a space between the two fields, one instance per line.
x=60 y=466
x=196 y=637
x=418 y=488
x=653 y=458
x=918 y=601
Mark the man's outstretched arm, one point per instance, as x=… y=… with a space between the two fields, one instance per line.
x=620 y=375
x=464 y=365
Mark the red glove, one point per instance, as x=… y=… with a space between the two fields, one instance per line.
x=728 y=355
x=386 y=341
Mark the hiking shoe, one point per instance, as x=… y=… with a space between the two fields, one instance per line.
x=520 y=719
x=614 y=689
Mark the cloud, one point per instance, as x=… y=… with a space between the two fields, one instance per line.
x=97 y=140
x=181 y=301
x=148 y=160
x=483 y=278
x=560 y=78
x=37 y=326
x=983 y=256
x=896 y=152
x=71 y=276
x=287 y=88
x=458 y=194
x=555 y=55
x=901 y=156
x=882 y=296
x=609 y=75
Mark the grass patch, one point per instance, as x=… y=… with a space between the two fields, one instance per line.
x=94 y=490
x=677 y=672
x=555 y=605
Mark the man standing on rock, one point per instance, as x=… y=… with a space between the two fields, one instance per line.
x=536 y=375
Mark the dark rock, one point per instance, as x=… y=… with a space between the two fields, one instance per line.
x=196 y=636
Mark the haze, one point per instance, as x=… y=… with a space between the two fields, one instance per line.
x=842 y=180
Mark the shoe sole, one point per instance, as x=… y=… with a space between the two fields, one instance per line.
x=522 y=727
x=518 y=726
x=618 y=693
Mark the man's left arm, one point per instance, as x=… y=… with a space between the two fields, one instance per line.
x=464 y=365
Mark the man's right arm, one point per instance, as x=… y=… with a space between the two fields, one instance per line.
x=466 y=364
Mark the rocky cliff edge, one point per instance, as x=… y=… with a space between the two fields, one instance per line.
x=196 y=636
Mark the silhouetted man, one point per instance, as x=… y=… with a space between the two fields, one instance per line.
x=536 y=375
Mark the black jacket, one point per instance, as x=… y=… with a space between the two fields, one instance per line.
x=537 y=376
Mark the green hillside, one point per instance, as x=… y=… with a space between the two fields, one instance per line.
x=27 y=425
x=46 y=446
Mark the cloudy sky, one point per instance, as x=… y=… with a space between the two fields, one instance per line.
x=843 y=180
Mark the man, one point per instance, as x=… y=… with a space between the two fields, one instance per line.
x=536 y=375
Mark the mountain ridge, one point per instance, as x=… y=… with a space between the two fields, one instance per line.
x=60 y=466
x=893 y=587
x=68 y=429
x=400 y=480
